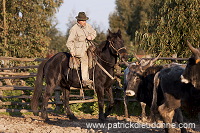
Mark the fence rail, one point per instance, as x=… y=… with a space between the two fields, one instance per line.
x=169 y=58
x=11 y=73
x=21 y=59
x=21 y=67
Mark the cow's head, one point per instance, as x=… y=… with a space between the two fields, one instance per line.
x=136 y=74
x=192 y=70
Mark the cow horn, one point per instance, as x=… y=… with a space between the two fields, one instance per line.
x=151 y=62
x=126 y=63
x=194 y=50
x=155 y=59
x=146 y=66
x=138 y=58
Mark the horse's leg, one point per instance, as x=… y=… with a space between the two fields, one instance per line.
x=100 y=96
x=47 y=94
x=66 y=92
x=109 y=94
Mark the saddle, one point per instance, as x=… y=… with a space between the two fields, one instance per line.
x=75 y=63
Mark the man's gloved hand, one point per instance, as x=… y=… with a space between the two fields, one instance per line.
x=89 y=38
x=73 y=53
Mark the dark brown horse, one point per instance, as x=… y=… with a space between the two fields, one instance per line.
x=56 y=72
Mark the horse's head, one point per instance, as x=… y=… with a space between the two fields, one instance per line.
x=116 y=44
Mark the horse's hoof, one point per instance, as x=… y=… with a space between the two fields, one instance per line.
x=44 y=116
x=72 y=117
x=102 y=120
x=105 y=115
x=35 y=113
x=46 y=120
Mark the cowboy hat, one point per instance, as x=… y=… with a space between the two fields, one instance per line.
x=82 y=16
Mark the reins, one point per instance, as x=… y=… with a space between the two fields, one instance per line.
x=102 y=59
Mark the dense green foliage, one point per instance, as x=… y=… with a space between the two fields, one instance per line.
x=157 y=26
x=24 y=27
x=58 y=41
x=130 y=16
x=177 y=21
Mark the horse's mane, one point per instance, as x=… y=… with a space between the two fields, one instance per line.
x=100 y=48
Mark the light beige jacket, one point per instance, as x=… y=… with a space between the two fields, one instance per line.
x=77 y=42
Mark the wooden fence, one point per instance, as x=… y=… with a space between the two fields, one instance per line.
x=11 y=72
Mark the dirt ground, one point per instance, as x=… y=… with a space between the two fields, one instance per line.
x=61 y=124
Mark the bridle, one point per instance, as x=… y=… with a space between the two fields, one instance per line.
x=117 y=50
x=111 y=45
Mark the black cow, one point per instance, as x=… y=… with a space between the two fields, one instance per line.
x=139 y=82
x=180 y=88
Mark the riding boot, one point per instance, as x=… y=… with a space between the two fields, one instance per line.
x=87 y=83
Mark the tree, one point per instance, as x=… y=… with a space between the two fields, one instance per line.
x=171 y=24
x=58 y=41
x=101 y=36
x=116 y=23
x=130 y=16
x=158 y=25
x=27 y=25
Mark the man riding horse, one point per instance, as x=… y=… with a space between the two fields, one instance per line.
x=56 y=71
x=78 y=43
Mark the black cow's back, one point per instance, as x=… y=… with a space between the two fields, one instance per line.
x=145 y=89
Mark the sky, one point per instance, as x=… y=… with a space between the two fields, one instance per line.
x=97 y=10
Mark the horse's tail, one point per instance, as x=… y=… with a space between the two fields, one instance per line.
x=38 y=88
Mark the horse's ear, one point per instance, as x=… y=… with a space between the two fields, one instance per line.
x=109 y=35
x=119 y=32
x=109 y=32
